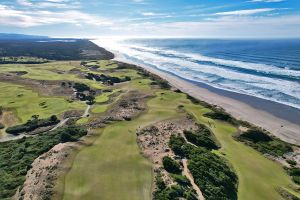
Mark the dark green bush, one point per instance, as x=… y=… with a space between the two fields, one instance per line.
x=202 y=137
x=265 y=143
x=211 y=173
x=32 y=124
x=160 y=182
x=175 y=143
x=2 y=126
x=106 y=79
x=256 y=135
x=294 y=172
x=292 y=162
x=181 y=180
x=171 y=165
x=296 y=179
x=169 y=193
x=81 y=87
x=221 y=115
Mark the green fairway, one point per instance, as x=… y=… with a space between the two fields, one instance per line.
x=25 y=103
x=116 y=169
x=103 y=98
x=258 y=176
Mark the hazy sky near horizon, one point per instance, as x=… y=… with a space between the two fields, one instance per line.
x=152 y=18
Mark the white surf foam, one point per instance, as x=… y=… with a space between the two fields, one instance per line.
x=186 y=66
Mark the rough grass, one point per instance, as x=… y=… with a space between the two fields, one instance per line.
x=100 y=108
x=25 y=103
x=52 y=71
x=82 y=120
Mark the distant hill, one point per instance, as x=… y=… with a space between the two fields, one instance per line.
x=14 y=36
x=16 y=45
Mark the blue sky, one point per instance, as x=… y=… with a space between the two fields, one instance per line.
x=152 y=18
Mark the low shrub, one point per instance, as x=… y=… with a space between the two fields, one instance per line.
x=256 y=135
x=32 y=124
x=292 y=162
x=181 y=180
x=264 y=143
x=202 y=137
x=106 y=79
x=81 y=87
x=294 y=172
x=211 y=172
x=171 y=165
x=2 y=126
x=176 y=143
x=221 y=115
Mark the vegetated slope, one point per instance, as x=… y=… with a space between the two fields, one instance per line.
x=16 y=156
x=53 y=49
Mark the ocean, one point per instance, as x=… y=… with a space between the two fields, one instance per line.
x=267 y=69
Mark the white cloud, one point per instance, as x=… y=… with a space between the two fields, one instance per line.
x=19 y=18
x=49 y=3
x=223 y=27
x=246 y=12
x=24 y=3
x=268 y=1
x=150 y=14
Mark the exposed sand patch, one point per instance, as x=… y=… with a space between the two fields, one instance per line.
x=40 y=179
x=154 y=140
x=128 y=107
x=188 y=174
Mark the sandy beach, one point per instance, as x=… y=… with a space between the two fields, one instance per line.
x=281 y=128
x=282 y=121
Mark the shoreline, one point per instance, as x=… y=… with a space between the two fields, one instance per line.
x=279 y=119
